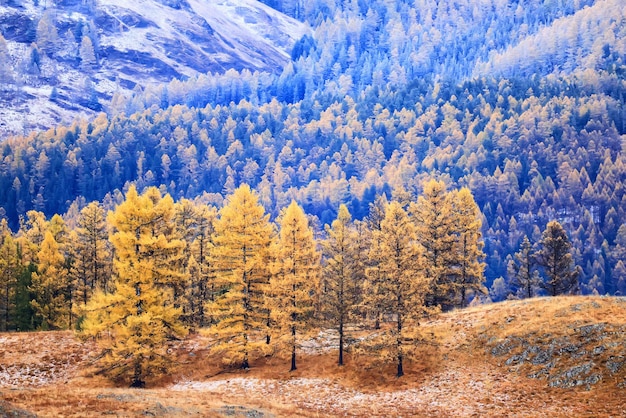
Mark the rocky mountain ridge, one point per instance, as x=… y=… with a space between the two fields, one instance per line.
x=71 y=58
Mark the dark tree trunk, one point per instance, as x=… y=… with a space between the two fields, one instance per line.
x=268 y=337
x=399 y=339
x=293 y=360
x=341 y=343
x=138 y=382
x=293 y=349
x=463 y=296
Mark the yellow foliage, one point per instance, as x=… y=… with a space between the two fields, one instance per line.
x=140 y=315
x=399 y=290
x=49 y=284
x=241 y=263
x=294 y=280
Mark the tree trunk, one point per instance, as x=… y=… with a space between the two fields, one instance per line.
x=293 y=360
x=244 y=364
x=293 y=349
x=137 y=376
x=399 y=340
x=341 y=343
x=400 y=369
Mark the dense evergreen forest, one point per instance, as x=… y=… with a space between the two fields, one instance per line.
x=520 y=102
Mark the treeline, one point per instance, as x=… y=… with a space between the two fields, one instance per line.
x=152 y=269
x=62 y=261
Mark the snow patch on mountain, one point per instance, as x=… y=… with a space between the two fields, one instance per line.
x=141 y=42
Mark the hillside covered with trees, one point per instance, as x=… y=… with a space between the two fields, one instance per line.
x=521 y=103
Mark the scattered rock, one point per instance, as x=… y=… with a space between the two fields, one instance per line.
x=9 y=411
x=506 y=346
x=163 y=411
x=544 y=372
x=542 y=356
x=576 y=307
x=576 y=376
x=615 y=363
x=124 y=397
x=599 y=350
x=566 y=359
x=591 y=330
x=241 y=411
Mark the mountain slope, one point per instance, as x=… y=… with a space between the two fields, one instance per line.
x=133 y=44
x=572 y=43
x=465 y=372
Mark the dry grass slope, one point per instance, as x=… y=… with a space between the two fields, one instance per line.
x=541 y=357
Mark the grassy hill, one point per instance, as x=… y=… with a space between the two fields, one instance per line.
x=541 y=357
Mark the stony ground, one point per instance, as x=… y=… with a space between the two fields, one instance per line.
x=560 y=357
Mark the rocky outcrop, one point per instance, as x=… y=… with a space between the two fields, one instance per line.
x=574 y=355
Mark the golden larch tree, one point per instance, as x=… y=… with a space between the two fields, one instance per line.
x=195 y=223
x=240 y=259
x=10 y=267
x=90 y=255
x=49 y=285
x=468 y=249
x=400 y=291
x=31 y=235
x=342 y=276
x=373 y=272
x=139 y=316
x=295 y=279
x=434 y=221
x=92 y=237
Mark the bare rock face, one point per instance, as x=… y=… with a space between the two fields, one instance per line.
x=130 y=45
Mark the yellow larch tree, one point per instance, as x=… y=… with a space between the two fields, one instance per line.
x=468 y=248
x=342 y=278
x=373 y=271
x=31 y=235
x=195 y=223
x=137 y=319
x=240 y=259
x=295 y=279
x=10 y=267
x=435 y=231
x=401 y=290
x=49 y=285
x=91 y=256
x=93 y=234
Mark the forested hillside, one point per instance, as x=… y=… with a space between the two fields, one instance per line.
x=521 y=102
x=69 y=58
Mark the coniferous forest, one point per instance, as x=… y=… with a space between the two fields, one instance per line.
x=411 y=156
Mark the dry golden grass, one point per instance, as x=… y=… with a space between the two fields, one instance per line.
x=456 y=376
